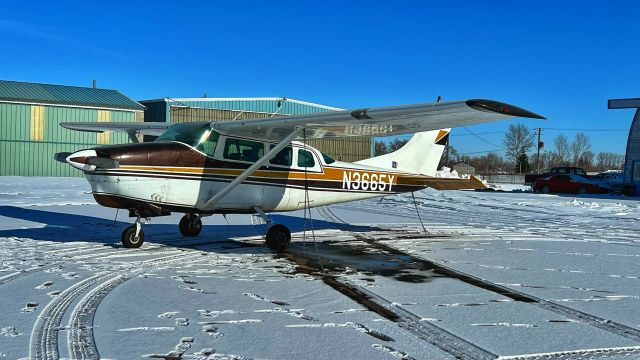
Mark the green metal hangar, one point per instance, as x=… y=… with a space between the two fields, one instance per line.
x=227 y=109
x=30 y=115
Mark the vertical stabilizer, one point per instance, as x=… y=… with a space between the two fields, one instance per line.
x=420 y=155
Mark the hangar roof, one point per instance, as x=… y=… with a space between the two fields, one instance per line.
x=48 y=94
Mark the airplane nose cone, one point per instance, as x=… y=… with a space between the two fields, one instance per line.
x=79 y=159
x=87 y=160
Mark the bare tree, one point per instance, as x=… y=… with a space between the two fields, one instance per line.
x=453 y=156
x=381 y=148
x=517 y=142
x=397 y=144
x=561 y=156
x=580 y=145
x=609 y=161
x=586 y=160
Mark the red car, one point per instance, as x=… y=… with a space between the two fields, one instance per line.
x=569 y=184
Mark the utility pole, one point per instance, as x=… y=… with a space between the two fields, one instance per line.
x=540 y=145
x=447 y=151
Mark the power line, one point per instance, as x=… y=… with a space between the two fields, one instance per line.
x=481 y=152
x=551 y=129
x=568 y=129
x=470 y=132
x=480 y=133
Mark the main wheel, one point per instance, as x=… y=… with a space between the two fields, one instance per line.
x=546 y=189
x=582 y=190
x=129 y=238
x=190 y=225
x=278 y=237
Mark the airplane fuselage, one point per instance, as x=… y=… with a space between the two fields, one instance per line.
x=173 y=176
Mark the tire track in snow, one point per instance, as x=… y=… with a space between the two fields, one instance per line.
x=80 y=338
x=18 y=274
x=44 y=336
x=425 y=331
x=582 y=317
x=583 y=354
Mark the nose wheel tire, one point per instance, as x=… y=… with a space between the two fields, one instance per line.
x=190 y=225
x=546 y=189
x=129 y=238
x=582 y=190
x=278 y=237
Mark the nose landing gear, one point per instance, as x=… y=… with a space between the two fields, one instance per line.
x=133 y=236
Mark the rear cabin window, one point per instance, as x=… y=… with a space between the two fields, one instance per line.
x=283 y=158
x=327 y=159
x=243 y=150
x=305 y=159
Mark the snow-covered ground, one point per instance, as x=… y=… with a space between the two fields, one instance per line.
x=511 y=275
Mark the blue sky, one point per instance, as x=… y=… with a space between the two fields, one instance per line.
x=561 y=59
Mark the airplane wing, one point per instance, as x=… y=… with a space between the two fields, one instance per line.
x=147 y=128
x=382 y=121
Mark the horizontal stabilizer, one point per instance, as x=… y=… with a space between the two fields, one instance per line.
x=472 y=183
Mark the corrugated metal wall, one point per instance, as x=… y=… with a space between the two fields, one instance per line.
x=351 y=149
x=255 y=105
x=30 y=135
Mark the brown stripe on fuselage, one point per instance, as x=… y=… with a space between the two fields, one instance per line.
x=176 y=158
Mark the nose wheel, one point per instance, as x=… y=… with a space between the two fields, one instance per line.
x=133 y=236
x=190 y=225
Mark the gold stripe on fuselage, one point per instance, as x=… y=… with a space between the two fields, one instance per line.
x=337 y=174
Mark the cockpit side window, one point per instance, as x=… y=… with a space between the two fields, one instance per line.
x=305 y=159
x=208 y=143
x=243 y=150
x=283 y=158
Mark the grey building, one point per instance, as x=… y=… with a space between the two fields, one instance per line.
x=463 y=168
x=632 y=156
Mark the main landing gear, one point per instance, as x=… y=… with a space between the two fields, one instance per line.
x=190 y=225
x=278 y=236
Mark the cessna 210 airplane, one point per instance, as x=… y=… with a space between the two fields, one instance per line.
x=257 y=166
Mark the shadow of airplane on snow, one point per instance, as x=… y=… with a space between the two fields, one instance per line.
x=338 y=255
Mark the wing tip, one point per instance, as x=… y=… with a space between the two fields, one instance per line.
x=501 y=108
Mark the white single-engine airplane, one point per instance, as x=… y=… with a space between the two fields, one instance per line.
x=256 y=166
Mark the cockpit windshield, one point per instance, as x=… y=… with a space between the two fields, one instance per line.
x=199 y=135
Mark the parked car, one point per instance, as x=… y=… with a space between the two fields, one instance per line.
x=530 y=179
x=568 y=184
x=611 y=180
